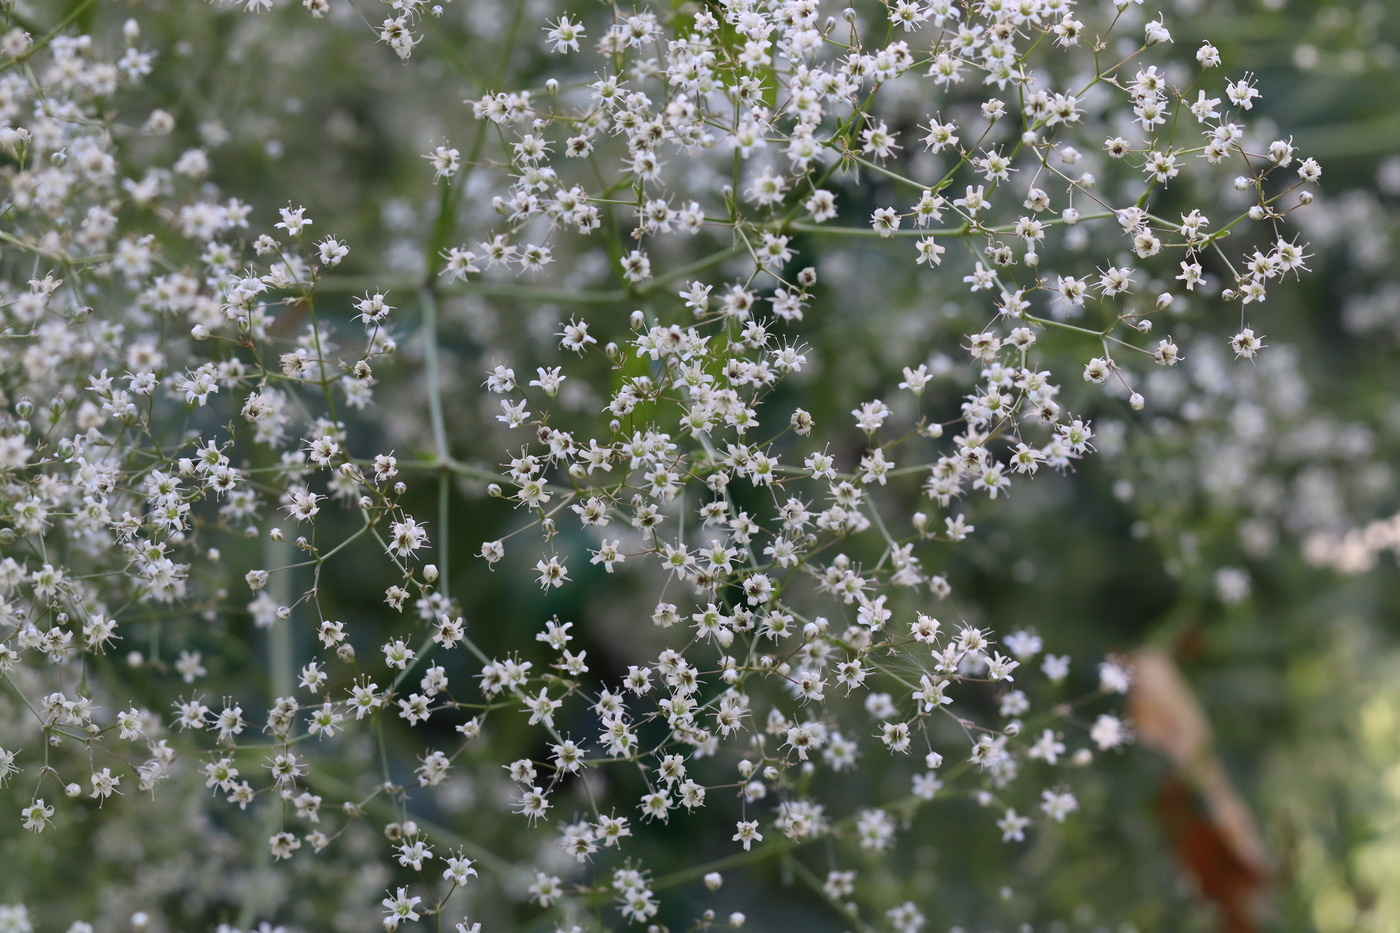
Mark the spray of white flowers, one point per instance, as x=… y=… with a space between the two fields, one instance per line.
x=194 y=441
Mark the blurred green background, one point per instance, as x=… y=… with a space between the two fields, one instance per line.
x=1187 y=533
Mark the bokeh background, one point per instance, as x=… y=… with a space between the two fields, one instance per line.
x=1241 y=535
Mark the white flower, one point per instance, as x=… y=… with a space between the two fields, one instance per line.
x=565 y=35
x=294 y=220
x=399 y=908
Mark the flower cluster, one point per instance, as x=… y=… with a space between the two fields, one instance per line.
x=191 y=449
